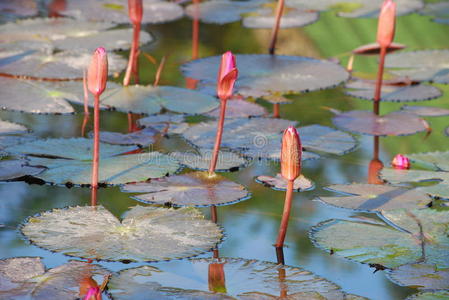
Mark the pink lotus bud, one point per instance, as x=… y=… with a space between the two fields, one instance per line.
x=227 y=75
x=97 y=74
x=93 y=293
x=135 y=11
x=291 y=154
x=400 y=162
x=386 y=24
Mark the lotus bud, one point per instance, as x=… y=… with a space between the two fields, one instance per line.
x=227 y=75
x=97 y=74
x=291 y=154
x=93 y=293
x=400 y=162
x=386 y=24
x=135 y=11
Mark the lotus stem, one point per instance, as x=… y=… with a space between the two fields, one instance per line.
x=380 y=72
x=276 y=110
x=86 y=93
x=93 y=196
x=132 y=68
x=280 y=255
x=275 y=30
x=195 y=30
x=96 y=157
x=285 y=215
x=159 y=72
x=213 y=162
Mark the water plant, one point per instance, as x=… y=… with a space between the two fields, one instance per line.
x=135 y=10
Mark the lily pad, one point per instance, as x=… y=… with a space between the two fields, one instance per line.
x=144 y=234
x=424 y=65
x=276 y=99
x=265 y=18
x=439 y=11
x=421 y=276
x=200 y=160
x=191 y=189
x=12 y=134
x=26 y=278
x=19 y=8
x=392 y=93
x=375 y=197
x=13 y=169
x=240 y=109
x=301 y=184
x=150 y=100
x=11 y=128
x=165 y=123
x=388 y=246
x=261 y=74
x=243 y=279
x=439 y=295
x=366 y=122
x=426 y=111
x=117 y=11
x=141 y=138
x=62 y=65
x=374 y=49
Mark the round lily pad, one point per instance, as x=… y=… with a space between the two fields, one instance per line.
x=18 y=8
x=421 y=276
x=388 y=246
x=438 y=295
x=392 y=93
x=264 y=74
x=240 y=109
x=241 y=279
x=13 y=169
x=439 y=11
x=301 y=184
x=144 y=234
x=165 y=123
x=437 y=159
x=191 y=189
x=375 y=197
x=374 y=49
x=265 y=18
x=426 y=111
x=141 y=138
x=200 y=160
x=150 y=100
x=424 y=65
x=366 y=122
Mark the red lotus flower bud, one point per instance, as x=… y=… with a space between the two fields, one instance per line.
x=97 y=74
x=135 y=11
x=386 y=24
x=291 y=154
x=400 y=162
x=227 y=75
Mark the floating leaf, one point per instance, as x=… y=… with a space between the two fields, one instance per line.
x=279 y=183
x=374 y=49
x=200 y=160
x=264 y=74
x=11 y=134
x=26 y=278
x=439 y=11
x=240 y=109
x=325 y=139
x=191 y=189
x=166 y=123
x=276 y=99
x=264 y=18
x=141 y=138
x=11 y=128
x=366 y=122
x=424 y=65
x=437 y=159
x=426 y=111
x=375 y=197
x=421 y=276
x=388 y=246
x=144 y=234
x=439 y=295
x=365 y=90
x=13 y=169
x=19 y=8
x=244 y=279
x=150 y=100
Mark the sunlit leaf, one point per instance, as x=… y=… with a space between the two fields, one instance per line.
x=426 y=111
x=200 y=160
x=265 y=18
x=421 y=276
x=240 y=109
x=144 y=234
x=301 y=183
x=13 y=169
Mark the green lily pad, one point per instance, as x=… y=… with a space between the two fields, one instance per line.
x=12 y=134
x=374 y=49
x=261 y=74
x=264 y=18
x=242 y=279
x=165 y=123
x=439 y=11
x=26 y=278
x=191 y=189
x=150 y=100
x=375 y=197
x=144 y=234
x=426 y=111
x=13 y=169
x=200 y=160
x=388 y=246
x=421 y=276
x=439 y=295
x=240 y=109
x=423 y=65
x=141 y=138
x=18 y=8
x=279 y=183
x=437 y=159
x=11 y=128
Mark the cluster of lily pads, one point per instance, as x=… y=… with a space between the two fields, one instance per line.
x=41 y=66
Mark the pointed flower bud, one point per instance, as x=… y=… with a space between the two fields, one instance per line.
x=400 y=162
x=291 y=154
x=93 y=293
x=227 y=75
x=386 y=24
x=97 y=74
x=135 y=11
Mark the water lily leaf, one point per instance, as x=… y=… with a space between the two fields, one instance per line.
x=325 y=139
x=243 y=279
x=437 y=159
x=11 y=128
x=141 y=138
x=265 y=18
x=18 y=8
x=424 y=65
x=200 y=160
x=374 y=49
x=357 y=8
x=439 y=11
x=191 y=189
x=62 y=65
x=421 y=276
x=13 y=169
x=388 y=246
x=12 y=134
x=240 y=109
x=150 y=100
x=144 y=234
x=264 y=74
x=301 y=184
x=117 y=11
x=438 y=295
x=366 y=122
x=276 y=99
x=426 y=111
x=165 y=123
x=26 y=278
x=392 y=93
x=375 y=197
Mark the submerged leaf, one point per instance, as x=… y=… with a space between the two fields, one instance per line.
x=144 y=234
x=421 y=276
x=200 y=160
x=301 y=184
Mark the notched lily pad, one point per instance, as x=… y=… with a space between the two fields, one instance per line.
x=374 y=49
x=191 y=189
x=438 y=295
x=141 y=138
x=265 y=18
x=374 y=197
x=301 y=184
x=144 y=234
x=426 y=111
x=165 y=123
x=18 y=8
x=421 y=276
x=240 y=109
x=439 y=11
x=13 y=169
x=200 y=160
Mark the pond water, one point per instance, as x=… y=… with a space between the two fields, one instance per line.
x=250 y=226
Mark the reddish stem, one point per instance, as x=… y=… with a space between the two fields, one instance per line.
x=275 y=30
x=86 y=93
x=131 y=69
x=83 y=126
x=195 y=30
x=96 y=157
x=93 y=196
x=213 y=213
x=276 y=110
x=285 y=215
x=380 y=72
x=213 y=162
x=157 y=78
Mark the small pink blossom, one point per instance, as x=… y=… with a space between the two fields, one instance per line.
x=400 y=162
x=227 y=75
